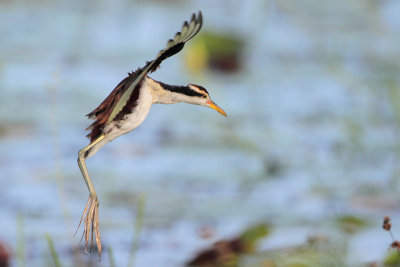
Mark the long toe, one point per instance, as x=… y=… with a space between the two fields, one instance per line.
x=90 y=219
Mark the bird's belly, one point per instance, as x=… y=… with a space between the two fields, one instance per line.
x=132 y=120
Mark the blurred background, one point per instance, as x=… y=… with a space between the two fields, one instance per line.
x=301 y=172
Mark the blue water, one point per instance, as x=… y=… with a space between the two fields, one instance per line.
x=316 y=101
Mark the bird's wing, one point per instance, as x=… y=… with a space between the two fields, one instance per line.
x=173 y=46
x=120 y=97
x=189 y=30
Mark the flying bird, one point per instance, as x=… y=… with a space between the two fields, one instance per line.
x=126 y=107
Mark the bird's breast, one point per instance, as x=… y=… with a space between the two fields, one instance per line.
x=139 y=113
x=133 y=119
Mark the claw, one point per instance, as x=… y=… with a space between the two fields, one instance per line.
x=83 y=215
x=90 y=218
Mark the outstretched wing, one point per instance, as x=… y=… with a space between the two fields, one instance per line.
x=123 y=94
x=189 y=30
x=173 y=46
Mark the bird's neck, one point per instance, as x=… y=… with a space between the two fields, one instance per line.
x=165 y=93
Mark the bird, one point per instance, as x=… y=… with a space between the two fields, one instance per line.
x=126 y=107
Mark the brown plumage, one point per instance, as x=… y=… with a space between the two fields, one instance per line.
x=126 y=107
x=102 y=113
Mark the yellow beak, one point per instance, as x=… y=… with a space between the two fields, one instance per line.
x=212 y=105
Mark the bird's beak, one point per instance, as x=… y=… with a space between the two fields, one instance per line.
x=212 y=105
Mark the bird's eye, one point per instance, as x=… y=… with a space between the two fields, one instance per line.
x=204 y=96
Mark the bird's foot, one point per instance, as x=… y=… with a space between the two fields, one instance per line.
x=90 y=218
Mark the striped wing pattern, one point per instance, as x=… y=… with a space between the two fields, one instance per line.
x=189 y=30
x=114 y=104
x=173 y=46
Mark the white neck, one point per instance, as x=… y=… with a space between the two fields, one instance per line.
x=162 y=96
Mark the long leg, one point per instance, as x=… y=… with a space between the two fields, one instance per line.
x=91 y=211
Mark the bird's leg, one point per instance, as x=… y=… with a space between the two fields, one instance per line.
x=90 y=216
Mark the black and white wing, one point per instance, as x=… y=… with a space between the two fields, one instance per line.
x=189 y=30
x=123 y=97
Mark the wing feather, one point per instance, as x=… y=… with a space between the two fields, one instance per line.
x=188 y=31
x=173 y=47
x=114 y=104
x=125 y=95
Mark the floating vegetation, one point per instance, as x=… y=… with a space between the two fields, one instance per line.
x=226 y=252
x=350 y=223
x=243 y=251
x=218 y=51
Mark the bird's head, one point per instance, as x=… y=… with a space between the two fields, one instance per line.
x=200 y=96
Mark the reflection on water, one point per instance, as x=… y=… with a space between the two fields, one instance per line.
x=310 y=138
